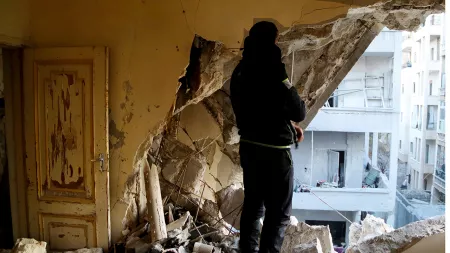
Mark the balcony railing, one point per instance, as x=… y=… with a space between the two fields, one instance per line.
x=440 y=173
x=442 y=91
x=439 y=181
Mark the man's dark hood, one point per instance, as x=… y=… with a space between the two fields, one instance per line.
x=260 y=49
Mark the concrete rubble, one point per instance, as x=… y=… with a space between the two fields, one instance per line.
x=230 y=201
x=303 y=235
x=311 y=247
x=400 y=240
x=186 y=235
x=371 y=227
x=26 y=245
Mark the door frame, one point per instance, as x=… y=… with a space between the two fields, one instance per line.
x=15 y=142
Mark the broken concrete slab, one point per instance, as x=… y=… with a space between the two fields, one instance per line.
x=354 y=233
x=27 y=245
x=311 y=247
x=230 y=201
x=294 y=221
x=305 y=234
x=202 y=248
x=211 y=63
x=373 y=226
x=178 y=224
x=186 y=173
x=404 y=238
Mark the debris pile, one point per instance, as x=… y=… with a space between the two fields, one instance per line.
x=185 y=233
x=300 y=237
x=26 y=245
x=375 y=236
x=371 y=227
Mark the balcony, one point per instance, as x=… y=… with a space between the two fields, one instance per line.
x=431 y=134
x=407 y=42
x=439 y=180
x=428 y=168
x=434 y=65
x=353 y=120
x=351 y=109
x=345 y=199
x=383 y=43
x=434 y=30
x=413 y=163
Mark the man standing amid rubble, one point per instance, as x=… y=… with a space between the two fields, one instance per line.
x=266 y=105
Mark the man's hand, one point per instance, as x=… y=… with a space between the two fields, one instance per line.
x=299 y=131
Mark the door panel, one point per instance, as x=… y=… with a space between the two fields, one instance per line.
x=333 y=166
x=65 y=101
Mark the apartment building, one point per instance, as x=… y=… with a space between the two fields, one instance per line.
x=333 y=182
x=422 y=116
x=438 y=187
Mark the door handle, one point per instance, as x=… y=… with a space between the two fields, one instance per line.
x=101 y=160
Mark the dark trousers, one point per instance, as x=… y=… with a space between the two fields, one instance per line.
x=268 y=182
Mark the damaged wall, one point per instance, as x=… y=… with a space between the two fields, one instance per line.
x=150 y=45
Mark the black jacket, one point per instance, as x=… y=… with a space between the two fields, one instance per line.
x=263 y=104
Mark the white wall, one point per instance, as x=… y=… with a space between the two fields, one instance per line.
x=351 y=143
x=435 y=77
x=432 y=151
x=375 y=66
x=405 y=108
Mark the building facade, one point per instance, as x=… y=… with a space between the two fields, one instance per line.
x=422 y=140
x=342 y=138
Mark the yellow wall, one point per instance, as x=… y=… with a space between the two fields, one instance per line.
x=14 y=22
x=149 y=45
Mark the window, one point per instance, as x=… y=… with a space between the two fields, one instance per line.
x=411 y=147
x=431 y=87
x=403 y=88
x=438 y=48
x=432 y=54
x=442 y=117
x=400 y=144
x=419 y=117
x=414 y=87
x=443 y=80
x=427 y=153
x=415 y=57
x=432 y=19
x=401 y=117
x=415 y=148
x=418 y=149
x=431 y=117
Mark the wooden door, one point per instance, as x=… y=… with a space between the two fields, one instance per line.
x=66 y=130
